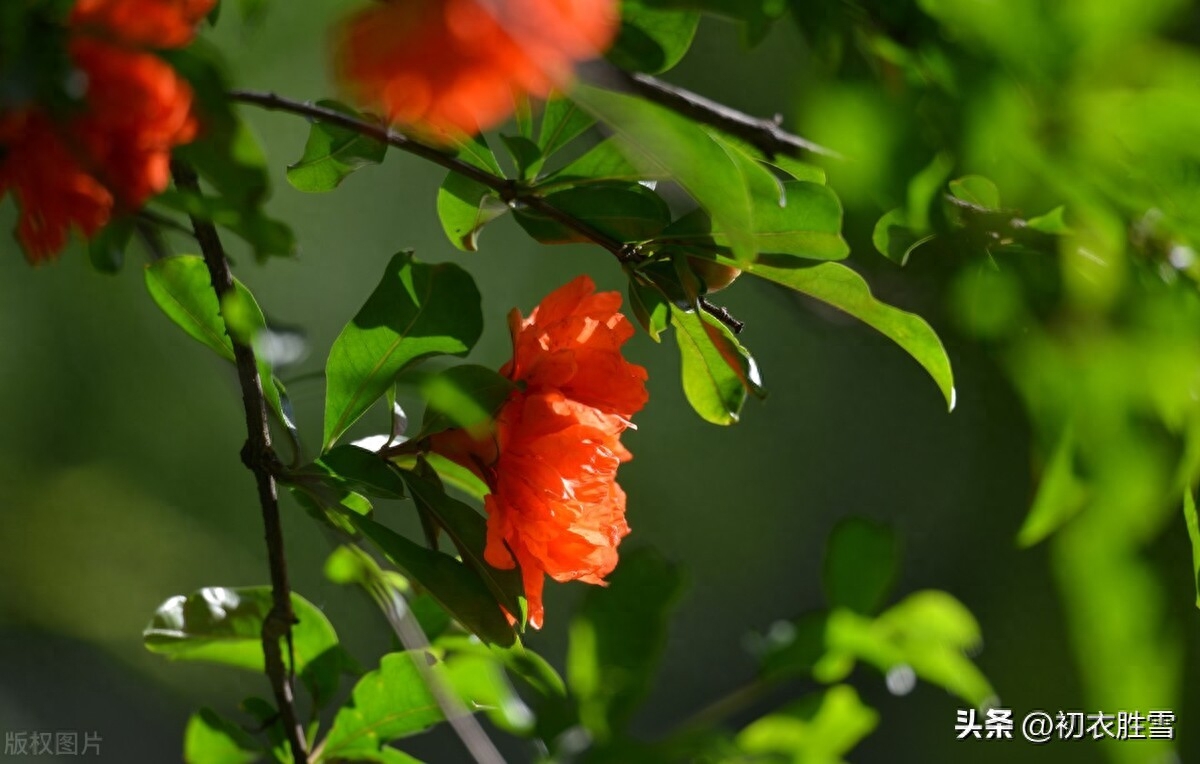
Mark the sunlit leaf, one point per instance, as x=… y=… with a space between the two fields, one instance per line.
x=212 y=739
x=976 y=190
x=465 y=207
x=562 y=122
x=837 y=285
x=416 y=311
x=717 y=371
x=821 y=728
x=392 y=702
x=333 y=153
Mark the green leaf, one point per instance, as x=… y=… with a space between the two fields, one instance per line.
x=839 y=286
x=267 y=236
x=479 y=681
x=757 y=16
x=456 y=587
x=356 y=469
x=228 y=157
x=618 y=637
x=212 y=739
x=1052 y=223
x=929 y=632
x=464 y=207
x=392 y=702
x=182 y=288
x=923 y=190
x=650 y=307
x=717 y=370
x=861 y=564
x=1193 y=527
x=893 y=238
x=1060 y=496
x=821 y=728
x=106 y=250
x=662 y=142
x=562 y=122
x=807 y=224
x=976 y=190
x=449 y=472
x=601 y=163
x=625 y=212
x=224 y=625
x=332 y=153
x=467 y=530
x=416 y=311
x=465 y=396
x=476 y=152
x=526 y=154
x=652 y=40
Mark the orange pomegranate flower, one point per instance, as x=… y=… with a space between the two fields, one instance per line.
x=114 y=152
x=142 y=23
x=451 y=67
x=551 y=461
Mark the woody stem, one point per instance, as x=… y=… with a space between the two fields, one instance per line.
x=510 y=191
x=259 y=458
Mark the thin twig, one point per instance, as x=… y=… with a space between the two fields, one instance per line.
x=508 y=190
x=723 y=315
x=765 y=134
x=260 y=458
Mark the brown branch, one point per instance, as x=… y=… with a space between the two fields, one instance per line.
x=764 y=134
x=510 y=191
x=260 y=458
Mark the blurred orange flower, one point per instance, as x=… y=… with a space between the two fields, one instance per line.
x=551 y=461
x=452 y=67
x=114 y=152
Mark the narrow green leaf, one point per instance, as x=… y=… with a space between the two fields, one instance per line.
x=861 y=564
x=526 y=154
x=626 y=212
x=1193 y=527
x=839 y=286
x=467 y=530
x=892 y=236
x=416 y=311
x=618 y=637
x=1060 y=495
x=562 y=122
x=212 y=739
x=332 y=153
x=601 y=163
x=456 y=587
x=924 y=189
x=475 y=151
